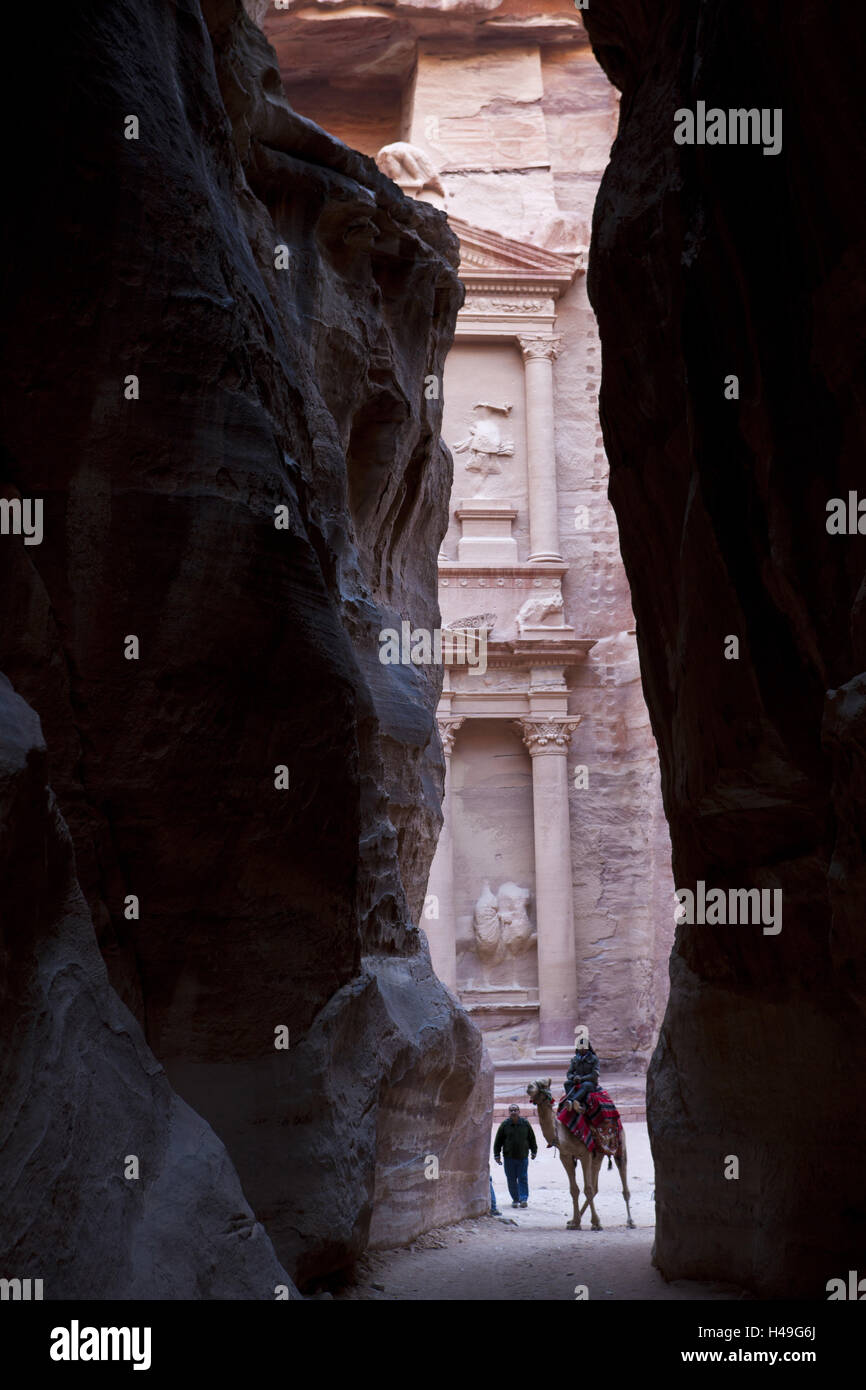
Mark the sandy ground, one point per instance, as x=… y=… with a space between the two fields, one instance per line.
x=529 y=1255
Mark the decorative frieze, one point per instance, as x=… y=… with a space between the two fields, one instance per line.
x=475 y=305
x=502 y=576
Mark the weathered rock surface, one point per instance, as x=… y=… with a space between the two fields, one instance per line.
x=82 y=1094
x=709 y=261
x=259 y=388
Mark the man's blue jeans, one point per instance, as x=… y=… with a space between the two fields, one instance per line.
x=515 y=1175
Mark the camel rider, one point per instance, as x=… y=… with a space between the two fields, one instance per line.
x=582 y=1077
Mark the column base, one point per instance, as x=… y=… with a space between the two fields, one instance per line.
x=546 y=557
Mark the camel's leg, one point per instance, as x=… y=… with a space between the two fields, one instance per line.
x=621 y=1161
x=569 y=1165
x=591 y=1165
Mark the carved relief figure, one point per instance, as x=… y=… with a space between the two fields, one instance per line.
x=501 y=923
x=485 y=442
x=488 y=940
x=536 y=608
x=514 y=923
x=409 y=167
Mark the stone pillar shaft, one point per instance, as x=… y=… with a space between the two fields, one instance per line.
x=547 y=741
x=442 y=930
x=538 y=355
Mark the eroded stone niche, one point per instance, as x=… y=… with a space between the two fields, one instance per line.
x=493 y=815
x=486 y=375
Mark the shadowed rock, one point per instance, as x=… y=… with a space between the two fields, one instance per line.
x=82 y=1094
x=709 y=261
x=268 y=379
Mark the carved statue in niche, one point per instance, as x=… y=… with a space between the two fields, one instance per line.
x=514 y=920
x=501 y=923
x=537 y=608
x=409 y=167
x=485 y=442
x=488 y=942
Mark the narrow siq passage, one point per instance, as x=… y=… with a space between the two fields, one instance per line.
x=302 y=383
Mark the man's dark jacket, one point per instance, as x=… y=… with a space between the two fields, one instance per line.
x=514 y=1139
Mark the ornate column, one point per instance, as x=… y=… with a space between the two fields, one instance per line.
x=547 y=741
x=442 y=930
x=538 y=356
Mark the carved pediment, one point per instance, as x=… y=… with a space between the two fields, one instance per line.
x=492 y=262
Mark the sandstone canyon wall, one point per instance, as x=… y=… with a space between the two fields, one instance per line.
x=83 y=1095
x=267 y=496
x=710 y=261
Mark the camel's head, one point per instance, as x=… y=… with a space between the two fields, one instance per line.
x=540 y=1090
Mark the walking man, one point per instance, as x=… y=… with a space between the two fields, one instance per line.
x=515 y=1138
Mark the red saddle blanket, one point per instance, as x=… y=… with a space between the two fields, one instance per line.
x=599 y=1124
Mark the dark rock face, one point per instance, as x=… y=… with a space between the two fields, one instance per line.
x=282 y=306
x=83 y=1094
x=709 y=261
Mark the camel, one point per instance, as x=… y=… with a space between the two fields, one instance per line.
x=572 y=1150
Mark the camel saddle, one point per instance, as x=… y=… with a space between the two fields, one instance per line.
x=598 y=1127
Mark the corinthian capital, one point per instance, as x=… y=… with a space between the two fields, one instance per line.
x=447 y=730
x=547 y=735
x=539 y=347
